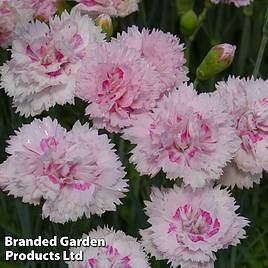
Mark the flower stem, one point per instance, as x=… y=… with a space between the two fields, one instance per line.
x=262 y=45
x=201 y=19
x=233 y=257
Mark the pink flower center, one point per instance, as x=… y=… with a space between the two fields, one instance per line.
x=184 y=136
x=113 y=92
x=52 y=58
x=197 y=225
x=252 y=126
x=109 y=257
x=48 y=143
x=47 y=57
x=57 y=172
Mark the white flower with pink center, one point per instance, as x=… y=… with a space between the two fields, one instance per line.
x=188 y=226
x=45 y=61
x=120 y=251
x=163 y=50
x=115 y=8
x=187 y=135
x=118 y=84
x=76 y=173
x=248 y=104
x=237 y=3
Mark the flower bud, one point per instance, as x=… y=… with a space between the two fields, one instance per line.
x=105 y=22
x=188 y=22
x=217 y=60
x=184 y=5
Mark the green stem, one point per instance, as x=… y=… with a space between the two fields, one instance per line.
x=201 y=19
x=233 y=258
x=262 y=45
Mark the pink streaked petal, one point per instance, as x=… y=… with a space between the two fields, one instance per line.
x=48 y=143
x=172 y=227
x=173 y=157
x=77 y=40
x=92 y=262
x=206 y=216
x=196 y=238
x=55 y=73
x=82 y=186
x=177 y=214
x=213 y=232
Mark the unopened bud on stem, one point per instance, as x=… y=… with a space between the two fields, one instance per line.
x=217 y=60
x=105 y=22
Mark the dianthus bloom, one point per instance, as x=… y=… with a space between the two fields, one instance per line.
x=120 y=251
x=115 y=8
x=248 y=104
x=187 y=135
x=118 y=84
x=237 y=3
x=45 y=61
x=75 y=172
x=163 y=50
x=188 y=226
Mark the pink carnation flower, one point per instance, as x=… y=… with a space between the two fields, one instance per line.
x=75 y=172
x=45 y=61
x=115 y=8
x=120 y=251
x=163 y=50
x=248 y=104
x=118 y=84
x=237 y=3
x=189 y=226
x=187 y=135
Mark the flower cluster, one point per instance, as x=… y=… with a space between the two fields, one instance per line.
x=127 y=76
x=120 y=251
x=188 y=227
x=115 y=8
x=75 y=172
x=237 y=3
x=45 y=61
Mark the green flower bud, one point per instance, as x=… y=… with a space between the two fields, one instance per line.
x=184 y=5
x=188 y=22
x=105 y=22
x=217 y=60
